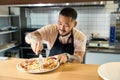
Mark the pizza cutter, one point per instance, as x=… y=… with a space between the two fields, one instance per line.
x=41 y=59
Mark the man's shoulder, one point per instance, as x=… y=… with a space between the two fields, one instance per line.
x=48 y=29
x=78 y=34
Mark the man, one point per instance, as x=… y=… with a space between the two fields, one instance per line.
x=62 y=39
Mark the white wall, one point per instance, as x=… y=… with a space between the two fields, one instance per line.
x=94 y=19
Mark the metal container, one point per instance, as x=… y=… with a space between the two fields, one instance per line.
x=115 y=30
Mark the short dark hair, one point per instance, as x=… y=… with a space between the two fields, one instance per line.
x=69 y=12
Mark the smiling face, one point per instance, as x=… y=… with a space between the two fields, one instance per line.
x=65 y=25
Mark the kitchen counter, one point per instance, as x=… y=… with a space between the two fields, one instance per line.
x=104 y=50
x=68 y=71
x=101 y=55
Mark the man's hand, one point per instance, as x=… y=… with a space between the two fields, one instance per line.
x=62 y=58
x=36 y=46
x=34 y=39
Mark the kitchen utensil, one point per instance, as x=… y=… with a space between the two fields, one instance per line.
x=41 y=59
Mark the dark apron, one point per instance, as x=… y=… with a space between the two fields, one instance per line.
x=59 y=48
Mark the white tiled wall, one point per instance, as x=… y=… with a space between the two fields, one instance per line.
x=39 y=19
x=94 y=19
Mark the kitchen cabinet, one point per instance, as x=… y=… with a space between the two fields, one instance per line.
x=101 y=57
x=9 y=32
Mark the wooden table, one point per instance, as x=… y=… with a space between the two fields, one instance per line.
x=68 y=71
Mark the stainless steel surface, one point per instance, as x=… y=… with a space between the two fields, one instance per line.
x=115 y=22
x=104 y=44
x=41 y=59
x=96 y=3
x=104 y=50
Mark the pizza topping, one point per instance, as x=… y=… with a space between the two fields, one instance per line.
x=33 y=64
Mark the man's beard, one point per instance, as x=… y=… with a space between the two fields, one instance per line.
x=65 y=34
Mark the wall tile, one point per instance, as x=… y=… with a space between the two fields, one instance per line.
x=90 y=19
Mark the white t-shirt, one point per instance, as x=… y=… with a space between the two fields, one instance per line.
x=49 y=34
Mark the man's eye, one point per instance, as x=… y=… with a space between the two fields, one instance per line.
x=59 y=24
x=66 y=25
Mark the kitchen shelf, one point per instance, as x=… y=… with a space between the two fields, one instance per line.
x=9 y=15
x=8 y=47
x=10 y=31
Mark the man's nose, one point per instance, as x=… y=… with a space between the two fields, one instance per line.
x=62 y=27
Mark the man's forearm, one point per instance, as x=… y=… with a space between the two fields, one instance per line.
x=71 y=58
x=30 y=37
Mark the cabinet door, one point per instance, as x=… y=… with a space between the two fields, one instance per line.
x=101 y=58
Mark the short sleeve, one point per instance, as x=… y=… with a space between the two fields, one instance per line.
x=79 y=41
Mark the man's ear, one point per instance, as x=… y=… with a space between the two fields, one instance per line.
x=75 y=23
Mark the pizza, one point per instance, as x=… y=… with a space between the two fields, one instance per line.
x=34 y=65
